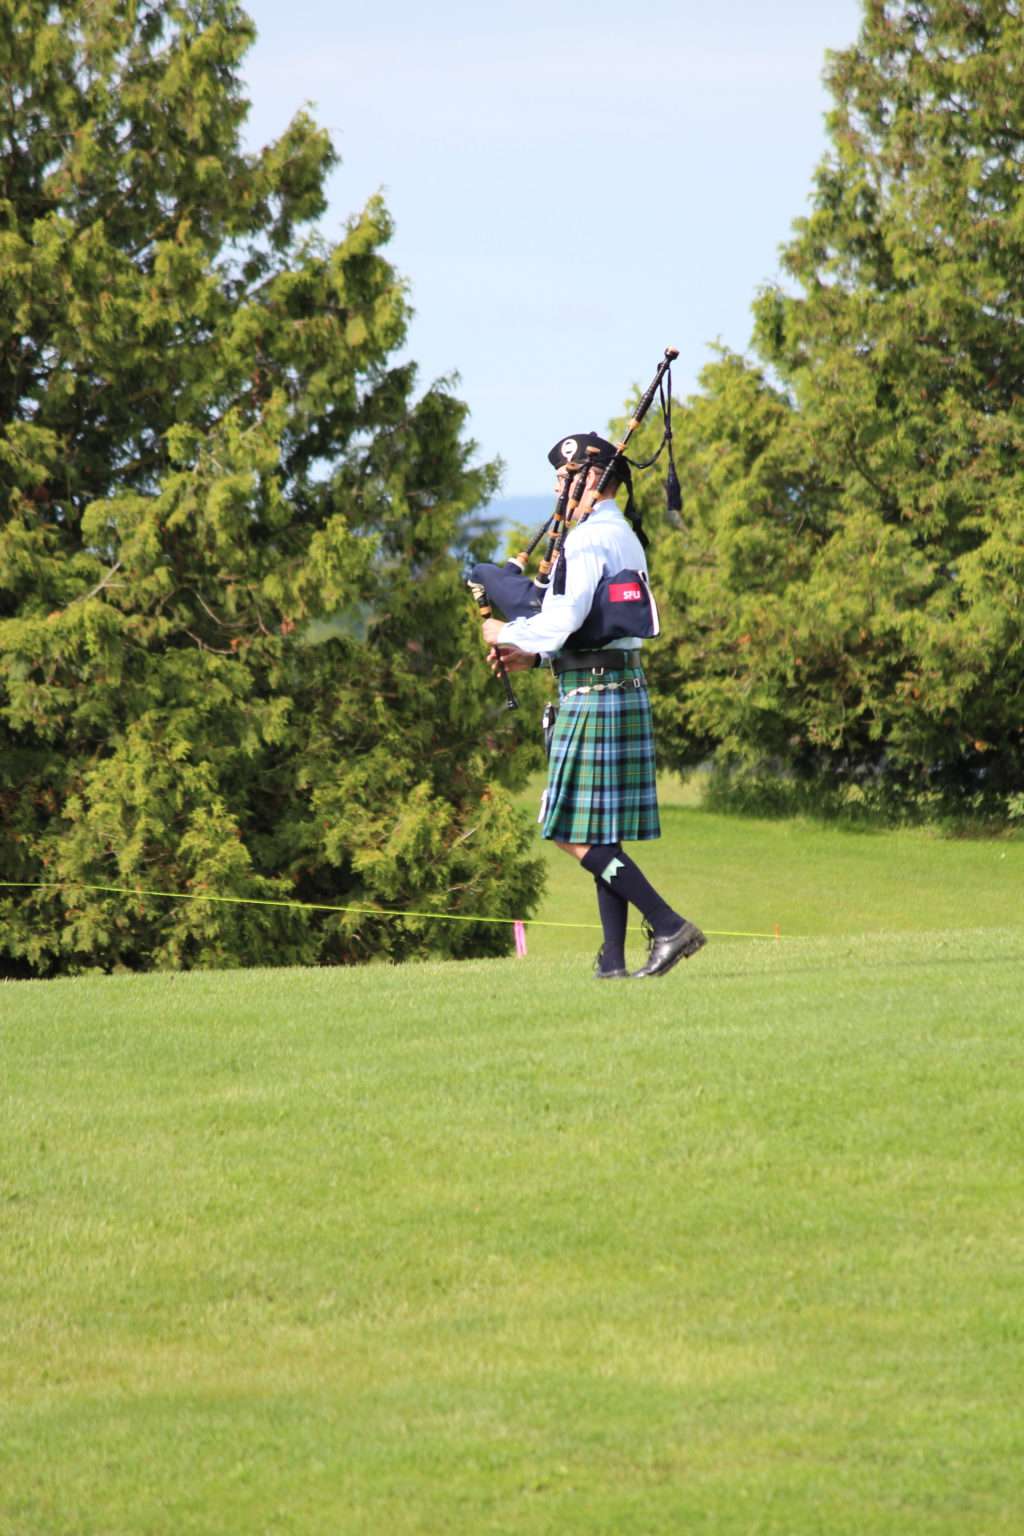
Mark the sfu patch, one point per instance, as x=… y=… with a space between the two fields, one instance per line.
x=626 y=592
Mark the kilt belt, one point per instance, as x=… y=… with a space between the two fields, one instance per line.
x=615 y=660
x=635 y=682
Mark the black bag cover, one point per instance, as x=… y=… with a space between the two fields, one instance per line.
x=623 y=608
x=514 y=595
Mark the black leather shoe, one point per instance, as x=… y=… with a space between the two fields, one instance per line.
x=668 y=950
x=602 y=975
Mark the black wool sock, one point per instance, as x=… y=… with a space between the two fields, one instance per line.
x=610 y=866
x=614 y=918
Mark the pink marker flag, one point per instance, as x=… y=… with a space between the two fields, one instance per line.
x=520 y=932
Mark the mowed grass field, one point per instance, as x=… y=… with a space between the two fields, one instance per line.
x=493 y=1248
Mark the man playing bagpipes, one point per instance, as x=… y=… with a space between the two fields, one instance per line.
x=590 y=623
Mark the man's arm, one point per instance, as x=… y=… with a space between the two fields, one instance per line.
x=562 y=612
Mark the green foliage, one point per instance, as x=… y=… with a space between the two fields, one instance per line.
x=850 y=578
x=235 y=652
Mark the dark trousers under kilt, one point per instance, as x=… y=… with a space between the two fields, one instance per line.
x=601 y=778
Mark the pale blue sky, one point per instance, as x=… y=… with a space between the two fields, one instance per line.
x=575 y=185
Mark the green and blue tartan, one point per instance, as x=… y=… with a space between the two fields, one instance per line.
x=601 y=780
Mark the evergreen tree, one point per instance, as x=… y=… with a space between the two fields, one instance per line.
x=850 y=579
x=236 y=657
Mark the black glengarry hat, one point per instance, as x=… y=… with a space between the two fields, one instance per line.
x=582 y=448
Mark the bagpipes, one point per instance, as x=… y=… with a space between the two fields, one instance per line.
x=519 y=596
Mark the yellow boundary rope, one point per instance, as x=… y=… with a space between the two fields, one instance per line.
x=317 y=906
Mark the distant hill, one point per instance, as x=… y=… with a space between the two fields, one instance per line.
x=508 y=512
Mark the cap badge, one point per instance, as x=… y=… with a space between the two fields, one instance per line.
x=569 y=449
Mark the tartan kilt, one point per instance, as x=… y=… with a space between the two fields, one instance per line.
x=601 y=779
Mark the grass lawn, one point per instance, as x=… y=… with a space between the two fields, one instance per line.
x=491 y=1248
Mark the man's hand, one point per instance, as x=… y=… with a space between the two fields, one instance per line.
x=492 y=628
x=515 y=660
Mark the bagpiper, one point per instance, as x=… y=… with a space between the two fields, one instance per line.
x=590 y=626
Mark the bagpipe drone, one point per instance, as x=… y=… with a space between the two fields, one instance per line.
x=623 y=603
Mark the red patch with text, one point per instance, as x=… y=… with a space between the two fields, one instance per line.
x=626 y=592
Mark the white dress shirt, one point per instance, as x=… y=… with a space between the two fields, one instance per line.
x=601 y=546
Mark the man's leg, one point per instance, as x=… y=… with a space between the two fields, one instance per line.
x=613 y=867
x=614 y=914
x=613 y=910
x=673 y=937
